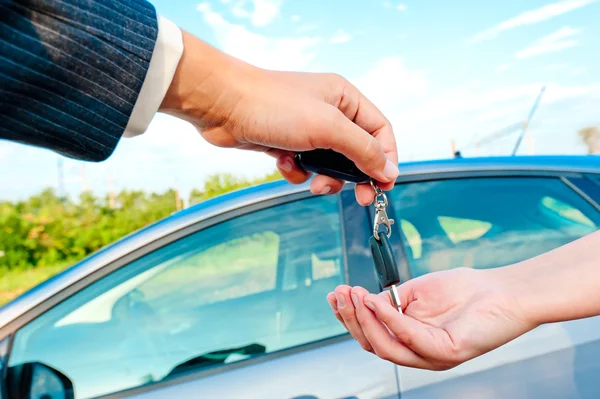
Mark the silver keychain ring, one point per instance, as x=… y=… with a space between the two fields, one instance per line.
x=380 y=213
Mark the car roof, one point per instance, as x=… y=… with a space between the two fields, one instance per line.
x=263 y=192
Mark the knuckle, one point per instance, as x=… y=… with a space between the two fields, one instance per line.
x=443 y=366
x=336 y=78
x=360 y=291
x=405 y=337
x=366 y=346
x=372 y=151
x=383 y=353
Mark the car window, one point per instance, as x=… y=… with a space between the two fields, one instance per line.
x=413 y=238
x=251 y=285
x=488 y=222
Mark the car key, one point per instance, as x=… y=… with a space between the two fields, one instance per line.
x=337 y=166
x=381 y=249
x=332 y=164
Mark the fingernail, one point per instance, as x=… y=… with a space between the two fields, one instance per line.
x=326 y=190
x=331 y=304
x=355 y=300
x=286 y=165
x=340 y=300
x=370 y=305
x=390 y=171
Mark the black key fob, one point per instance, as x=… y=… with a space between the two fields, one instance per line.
x=385 y=263
x=332 y=164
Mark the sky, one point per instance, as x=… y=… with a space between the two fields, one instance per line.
x=439 y=70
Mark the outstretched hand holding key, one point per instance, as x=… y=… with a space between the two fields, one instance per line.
x=442 y=319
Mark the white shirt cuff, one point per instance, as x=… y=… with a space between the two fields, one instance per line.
x=165 y=58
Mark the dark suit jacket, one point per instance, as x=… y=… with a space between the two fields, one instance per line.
x=71 y=71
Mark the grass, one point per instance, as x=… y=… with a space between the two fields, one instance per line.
x=15 y=282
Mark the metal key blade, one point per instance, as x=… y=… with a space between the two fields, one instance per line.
x=395 y=297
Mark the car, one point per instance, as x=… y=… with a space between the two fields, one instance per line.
x=227 y=298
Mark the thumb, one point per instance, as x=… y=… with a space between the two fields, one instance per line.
x=342 y=135
x=407 y=330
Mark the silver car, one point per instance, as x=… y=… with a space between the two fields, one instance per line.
x=226 y=299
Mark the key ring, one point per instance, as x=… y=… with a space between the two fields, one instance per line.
x=380 y=213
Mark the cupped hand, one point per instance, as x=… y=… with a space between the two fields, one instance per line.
x=237 y=105
x=448 y=318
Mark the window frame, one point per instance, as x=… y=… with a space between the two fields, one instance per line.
x=572 y=179
x=8 y=331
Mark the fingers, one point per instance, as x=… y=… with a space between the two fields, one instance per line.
x=370 y=118
x=290 y=171
x=346 y=310
x=325 y=185
x=383 y=343
x=420 y=338
x=288 y=168
x=360 y=110
x=334 y=306
x=379 y=328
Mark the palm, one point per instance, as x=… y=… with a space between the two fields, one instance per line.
x=449 y=317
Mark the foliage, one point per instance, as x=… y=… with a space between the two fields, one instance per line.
x=223 y=183
x=591 y=138
x=46 y=230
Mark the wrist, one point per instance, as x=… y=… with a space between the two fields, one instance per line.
x=522 y=299
x=206 y=86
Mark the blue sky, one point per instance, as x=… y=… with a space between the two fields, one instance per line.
x=439 y=70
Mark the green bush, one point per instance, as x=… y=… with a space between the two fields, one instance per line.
x=46 y=230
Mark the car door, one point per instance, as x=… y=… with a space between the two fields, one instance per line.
x=235 y=309
x=485 y=221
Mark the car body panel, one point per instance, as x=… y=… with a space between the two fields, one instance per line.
x=338 y=370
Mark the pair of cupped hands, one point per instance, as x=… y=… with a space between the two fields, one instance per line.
x=448 y=317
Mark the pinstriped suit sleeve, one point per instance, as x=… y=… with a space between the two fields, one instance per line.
x=71 y=71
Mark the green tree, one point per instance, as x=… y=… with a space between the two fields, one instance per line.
x=219 y=184
x=47 y=230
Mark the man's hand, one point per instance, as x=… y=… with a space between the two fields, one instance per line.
x=448 y=318
x=237 y=105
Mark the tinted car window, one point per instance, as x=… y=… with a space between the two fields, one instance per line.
x=488 y=222
x=251 y=285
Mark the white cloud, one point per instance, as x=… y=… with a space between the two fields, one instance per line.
x=531 y=17
x=295 y=18
x=306 y=28
x=504 y=67
x=390 y=84
x=400 y=6
x=279 y=53
x=560 y=40
x=260 y=12
x=239 y=10
x=340 y=36
x=578 y=70
x=555 y=67
x=426 y=120
x=265 y=11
